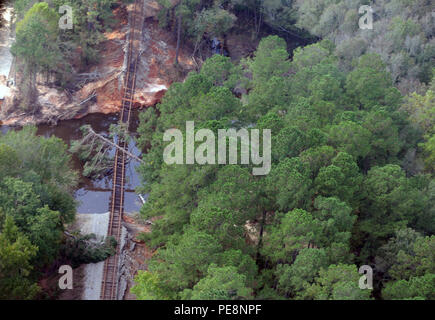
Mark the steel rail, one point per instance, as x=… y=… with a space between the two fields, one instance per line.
x=109 y=286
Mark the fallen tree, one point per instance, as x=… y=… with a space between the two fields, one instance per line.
x=128 y=153
x=94 y=149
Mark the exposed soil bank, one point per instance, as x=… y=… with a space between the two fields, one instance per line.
x=6 y=39
x=101 y=84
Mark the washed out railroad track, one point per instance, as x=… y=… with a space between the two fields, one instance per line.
x=109 y=286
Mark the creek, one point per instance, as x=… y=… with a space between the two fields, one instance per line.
x=93 y=195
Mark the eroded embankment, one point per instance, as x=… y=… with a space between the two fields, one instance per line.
x=100 y=85
x=134 y=256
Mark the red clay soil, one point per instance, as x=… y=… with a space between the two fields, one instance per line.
x=156 y=71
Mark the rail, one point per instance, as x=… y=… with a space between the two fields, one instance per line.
x=109 y=287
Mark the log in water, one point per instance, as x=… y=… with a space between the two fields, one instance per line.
x=94 y=195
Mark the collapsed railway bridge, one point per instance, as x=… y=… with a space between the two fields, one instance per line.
x=109 y=286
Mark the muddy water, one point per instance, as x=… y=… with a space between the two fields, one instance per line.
x=93 y=195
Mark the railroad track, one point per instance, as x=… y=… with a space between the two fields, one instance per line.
x=109 y=286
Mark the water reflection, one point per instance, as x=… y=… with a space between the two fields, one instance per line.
x=94 y=195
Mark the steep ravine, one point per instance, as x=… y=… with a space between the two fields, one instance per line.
x=98 y=103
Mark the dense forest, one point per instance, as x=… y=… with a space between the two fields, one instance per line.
x=352 y=116
x=352 y=120
x=36 y=202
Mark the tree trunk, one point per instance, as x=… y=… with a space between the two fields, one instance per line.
x=91 y=131
x=197 y=43
x=30 y=88
x=259 y=22
x=177 y=51
x=260 y=236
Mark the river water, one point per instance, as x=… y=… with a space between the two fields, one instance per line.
x=93 y=195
